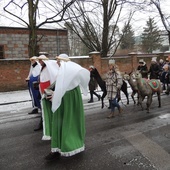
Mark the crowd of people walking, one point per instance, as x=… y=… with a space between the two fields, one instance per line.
x=55 y=88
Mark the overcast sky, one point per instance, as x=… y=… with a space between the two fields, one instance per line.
x=138 y=22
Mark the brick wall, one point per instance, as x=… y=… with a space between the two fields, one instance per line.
x=15 y=41
x=14 y=72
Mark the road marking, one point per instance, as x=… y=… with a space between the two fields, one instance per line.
x=148 y=148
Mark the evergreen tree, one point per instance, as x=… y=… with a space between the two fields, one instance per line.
x=128 y=40
x=151 y=39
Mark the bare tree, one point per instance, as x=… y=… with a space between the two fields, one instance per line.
x=96 y=24
x=39 y=13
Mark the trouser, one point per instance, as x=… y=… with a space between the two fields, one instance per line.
x=91 y=94
x=113 y=104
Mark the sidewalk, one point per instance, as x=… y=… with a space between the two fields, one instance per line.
x=16 y=101
x=15 y=106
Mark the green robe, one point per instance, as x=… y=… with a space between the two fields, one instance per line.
x=66 y=126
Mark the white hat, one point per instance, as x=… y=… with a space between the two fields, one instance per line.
x=63 y=57
x=166 y=67
x=161 y=60
x=154 y=59
x=42 y=57
x=141 y=61
x=111 y=61
x=33 y=58
x=91 y=67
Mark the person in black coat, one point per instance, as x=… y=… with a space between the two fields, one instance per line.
x=142 y=67
x=92 y=85
x=102 y=84
x=166 y=78
x=154 y=69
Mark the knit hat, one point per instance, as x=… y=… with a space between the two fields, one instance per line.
x=42 y=57
x=154 y=59
x=91 y=67
x=166 y=67
x=63 y=57
x=161 y=60
x=111 y=62
x=141 y=61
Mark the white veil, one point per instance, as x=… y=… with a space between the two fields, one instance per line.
x=69 y=76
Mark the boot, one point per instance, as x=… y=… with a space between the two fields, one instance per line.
x=53 y=156
x=90 y=101
x=167 y=92
x=120 y=111
x=40 y=126
x=34 y=111
x=111 y=115
x=99 y=97
x=109 y=104
x=102 y=104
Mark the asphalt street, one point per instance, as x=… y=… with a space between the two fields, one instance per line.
x=135 y=141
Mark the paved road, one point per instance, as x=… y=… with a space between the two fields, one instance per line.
x=136 y=141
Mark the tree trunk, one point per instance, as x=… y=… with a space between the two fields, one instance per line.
x=32 y=47
x=105 y=29
x=169 y=39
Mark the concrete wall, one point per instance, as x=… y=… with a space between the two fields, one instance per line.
x=14 y=72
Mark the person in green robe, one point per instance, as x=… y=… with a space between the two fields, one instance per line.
x=67 y=126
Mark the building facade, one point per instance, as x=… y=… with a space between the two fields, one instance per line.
x=14 y=42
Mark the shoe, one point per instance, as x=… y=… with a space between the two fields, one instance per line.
x=90 y=101
x=167 y=92
x=39 y=128
x=111 y=115
x=102 y=105
x=34 y=111
x=99 y=97
x=52 y=156
x=120 y=110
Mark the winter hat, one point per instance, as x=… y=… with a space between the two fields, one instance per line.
x=92 y=67
x=154 y=59
x=166 y=67
x=111 y=62
x=161 y=60
x=63 y=57
x=141 y=61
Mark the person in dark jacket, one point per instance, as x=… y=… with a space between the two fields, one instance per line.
x=165 y=78
x=101 y=83
x=142 y=67
x=154 y=69
x=92 y=86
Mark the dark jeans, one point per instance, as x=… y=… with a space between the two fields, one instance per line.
x=114 y=103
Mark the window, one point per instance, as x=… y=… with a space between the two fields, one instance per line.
x=1 y=52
